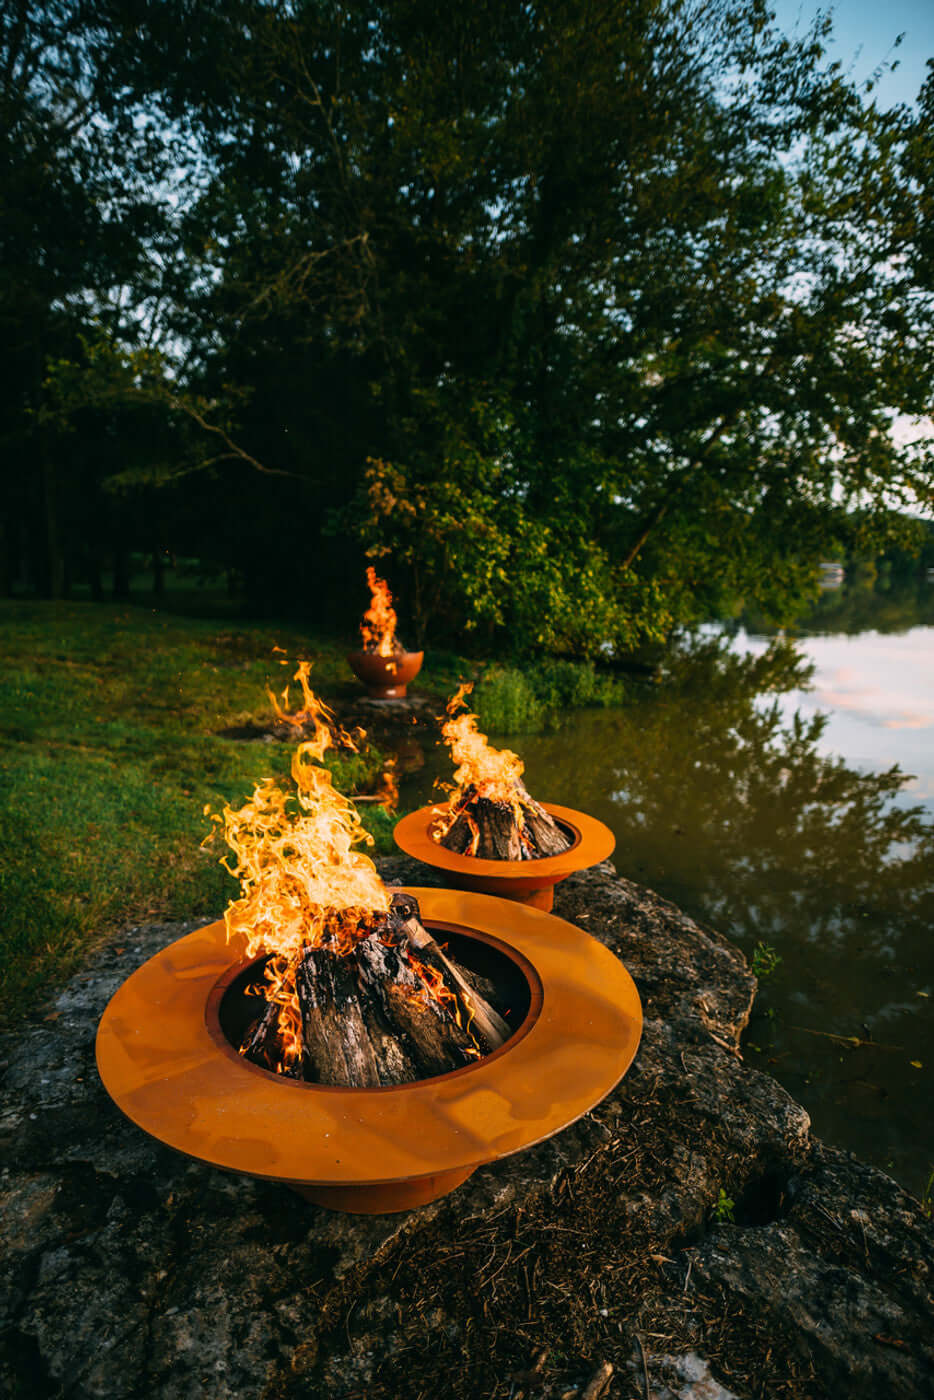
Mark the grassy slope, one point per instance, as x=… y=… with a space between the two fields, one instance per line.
x=108 y=754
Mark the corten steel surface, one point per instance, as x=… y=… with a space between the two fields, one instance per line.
x=385 y=677
x=528 y=881
x=168 y=1066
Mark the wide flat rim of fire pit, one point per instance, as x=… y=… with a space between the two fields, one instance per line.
x=165 y=1070
x=594 y=842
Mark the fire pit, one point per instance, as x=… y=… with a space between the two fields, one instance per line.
x=167 y=1055
x=527 y=881
x=385 y=677
x=491 y=835
x=384 y=666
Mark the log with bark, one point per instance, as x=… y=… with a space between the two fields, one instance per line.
x=367 y=1016
x=491 y=830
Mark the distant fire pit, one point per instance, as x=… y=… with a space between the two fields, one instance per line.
x=385 y=677
x=166 y=1052
x=384 y=666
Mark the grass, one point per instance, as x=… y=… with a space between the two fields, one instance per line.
x=110 y=749
x=109 y=753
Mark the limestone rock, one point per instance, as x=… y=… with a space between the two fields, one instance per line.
x=129 y=1272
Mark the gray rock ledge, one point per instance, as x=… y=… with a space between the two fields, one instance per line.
x=587 y=1266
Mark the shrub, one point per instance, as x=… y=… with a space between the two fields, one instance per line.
x=509 y=700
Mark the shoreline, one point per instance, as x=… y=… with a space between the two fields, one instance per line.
x=129 y=1271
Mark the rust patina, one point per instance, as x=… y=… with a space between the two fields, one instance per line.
x=166 y=1062
x=528 y=881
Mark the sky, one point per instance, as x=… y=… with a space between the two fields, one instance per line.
x=878 y=691
x=864 y=34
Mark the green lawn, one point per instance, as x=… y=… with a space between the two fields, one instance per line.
x=108 y=754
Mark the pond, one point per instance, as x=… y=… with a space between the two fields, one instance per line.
x=766 y=803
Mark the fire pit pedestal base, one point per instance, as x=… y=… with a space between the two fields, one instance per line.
x=168 y=1064
x=386 y=1198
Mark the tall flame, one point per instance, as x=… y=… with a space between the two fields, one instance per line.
x=303 y=881
x=481 y=770
x=493 y=773
x=379 y=621
x=293 y=852
x=313 y=712
x=301 y=877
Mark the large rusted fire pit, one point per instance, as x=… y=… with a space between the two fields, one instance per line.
x=527 y=881
x=385 y=677
x=166 y=1055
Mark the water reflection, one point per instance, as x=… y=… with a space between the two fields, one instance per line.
x=727 y=804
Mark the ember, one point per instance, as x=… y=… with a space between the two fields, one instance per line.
x=355 y=991
x=490 y=814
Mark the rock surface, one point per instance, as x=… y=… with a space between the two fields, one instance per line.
x=591 y=1265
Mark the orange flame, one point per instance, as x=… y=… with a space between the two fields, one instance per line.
x=293 y=853
x=326 y=732
x=379 y=621
x=387 y=794
x=481 y=770
x=303 y=882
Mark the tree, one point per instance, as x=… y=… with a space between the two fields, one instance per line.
x=582 y=318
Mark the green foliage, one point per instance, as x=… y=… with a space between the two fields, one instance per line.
x=509 y=700
x=506 y=703
x=765 y=960
x=724 y=1208
x=572 y=357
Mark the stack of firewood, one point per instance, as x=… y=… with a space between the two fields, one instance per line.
x=491 y=830
x=390 y=1009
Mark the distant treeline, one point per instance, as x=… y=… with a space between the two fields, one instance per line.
x=578 y=320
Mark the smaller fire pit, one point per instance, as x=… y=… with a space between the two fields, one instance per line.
x=385 y=677
x=166 y=1052
x=384 y=666
x=527 y=881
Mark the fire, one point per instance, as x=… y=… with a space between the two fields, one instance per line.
x=379 y=621
x=481 y=770
x=387 y=794
x=313 y=713
x=293 y=852
x=304 y=881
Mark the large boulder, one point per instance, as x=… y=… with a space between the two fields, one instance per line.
x=598 y=1263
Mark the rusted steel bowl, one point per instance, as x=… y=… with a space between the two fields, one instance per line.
x=528 y=881
x=385 y=677
x=165 y=1058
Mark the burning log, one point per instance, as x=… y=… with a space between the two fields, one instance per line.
x=264 y=1043
x=485 y=1019
x=544 y=832
x=438 y=1043
x=390 y=1009
x=491 y=815
x=491 y=829
x=336 y=1044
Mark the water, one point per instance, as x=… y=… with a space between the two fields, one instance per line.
x=771 y=811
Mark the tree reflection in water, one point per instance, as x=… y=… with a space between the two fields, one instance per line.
x=724 y=806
